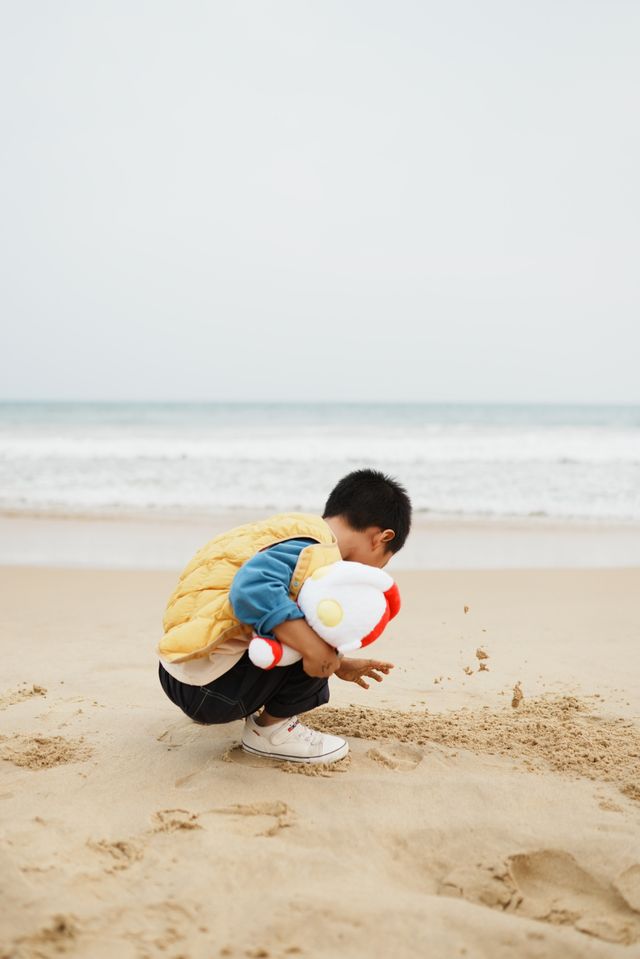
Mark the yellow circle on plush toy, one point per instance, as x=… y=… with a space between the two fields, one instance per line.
x=320 y=572
x=329 y=612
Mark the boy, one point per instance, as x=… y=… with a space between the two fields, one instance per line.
x=247 y=580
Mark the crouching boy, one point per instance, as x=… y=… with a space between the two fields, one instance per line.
x=247 y=580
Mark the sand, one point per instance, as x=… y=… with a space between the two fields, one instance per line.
x=137 y=541
x=481 y=812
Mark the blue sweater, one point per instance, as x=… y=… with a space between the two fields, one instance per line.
x=259 y=592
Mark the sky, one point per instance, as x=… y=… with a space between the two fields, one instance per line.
x=336 y=200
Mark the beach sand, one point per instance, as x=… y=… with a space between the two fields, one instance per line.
x=490 y=805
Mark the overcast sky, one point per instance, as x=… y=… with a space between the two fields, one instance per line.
x=320 y=200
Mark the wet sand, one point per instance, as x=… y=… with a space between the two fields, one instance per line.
x=150 y=541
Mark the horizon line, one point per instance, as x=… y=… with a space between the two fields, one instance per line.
x=336 y=402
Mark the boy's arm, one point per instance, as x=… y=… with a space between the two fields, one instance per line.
x=260 y=598
x=318 y=658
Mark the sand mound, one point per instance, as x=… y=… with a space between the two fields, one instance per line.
x=18 y=695
x=559 y=733
x=41 y=752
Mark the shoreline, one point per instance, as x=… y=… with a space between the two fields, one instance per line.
x=241 y=514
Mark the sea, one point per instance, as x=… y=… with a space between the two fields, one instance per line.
x=195 y=459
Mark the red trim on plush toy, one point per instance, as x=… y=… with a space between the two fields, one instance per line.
x=379 y=628
x=392 y=597
x=276 y=649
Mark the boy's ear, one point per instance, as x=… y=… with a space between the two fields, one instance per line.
x=387 y=536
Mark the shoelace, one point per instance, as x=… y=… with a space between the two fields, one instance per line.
x=300 y=731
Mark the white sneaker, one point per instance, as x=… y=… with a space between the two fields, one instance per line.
x=292 y=741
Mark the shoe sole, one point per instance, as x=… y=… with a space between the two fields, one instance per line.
x=331 y=757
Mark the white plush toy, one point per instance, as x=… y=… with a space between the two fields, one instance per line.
x=347 y=604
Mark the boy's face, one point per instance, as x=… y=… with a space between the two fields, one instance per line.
x=369 y=547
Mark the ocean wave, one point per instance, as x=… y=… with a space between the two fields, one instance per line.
x=557 y=446
x=513 y=465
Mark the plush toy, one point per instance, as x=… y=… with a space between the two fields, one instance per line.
x=347 y=604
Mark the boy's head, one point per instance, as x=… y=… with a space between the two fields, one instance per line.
x=370 y=514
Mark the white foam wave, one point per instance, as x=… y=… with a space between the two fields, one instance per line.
x=505 y=467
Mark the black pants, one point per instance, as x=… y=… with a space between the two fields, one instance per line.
x=283 y=691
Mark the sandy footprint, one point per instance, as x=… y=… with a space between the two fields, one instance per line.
x=156 y=926
x=194 y=779
x=172 y=820
x=259 y=818
x=610 y=806
x=551 y=886
x=399 y=756
x=118 y=854
x=183 y=781
x=181 y=733
x=628 y=885
x=486 y=885
x=58 y=936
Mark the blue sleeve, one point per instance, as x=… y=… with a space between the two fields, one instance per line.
x=259 y=592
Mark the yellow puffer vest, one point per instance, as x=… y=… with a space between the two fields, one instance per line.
x=199 y=615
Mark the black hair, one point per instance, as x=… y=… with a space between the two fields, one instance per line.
x=370 y=498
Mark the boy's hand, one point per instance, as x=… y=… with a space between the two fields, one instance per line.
x=352 y=670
